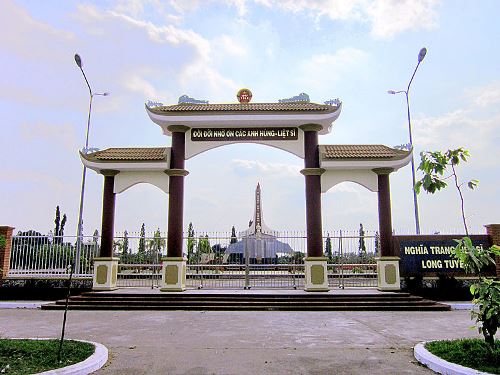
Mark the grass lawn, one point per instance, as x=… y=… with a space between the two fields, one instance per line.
x=21 y=356
x=471 y=353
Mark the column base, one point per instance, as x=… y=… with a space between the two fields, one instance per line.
x=316 y=276
x=388 y=278
x=105 y=273
x=173 y=275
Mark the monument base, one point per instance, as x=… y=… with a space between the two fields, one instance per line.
x=173 y=276
x=105 y=273
x=388 y=278
x=316 y=277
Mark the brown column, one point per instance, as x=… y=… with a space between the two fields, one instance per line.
x=493 y=230
x=312 y=173
x=176 y=190
x=108 y=213
x=5 y=232
x=384 y=211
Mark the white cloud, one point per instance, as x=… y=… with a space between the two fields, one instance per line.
x=334 y=9
x=169 y=34
x=185 y=65
x=29 y=38
x=57 y=135
x=462 y=127
x=140 y=85
x=390 y=17
x=133 y=8
x=232 y=46
x=387 y=17
x=324 y=69
x=37 y=179
x=470 y=127
x=348 y=187
x=486 y=96
x=206 y=80
x=277 y=170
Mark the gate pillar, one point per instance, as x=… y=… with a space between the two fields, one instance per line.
x=5 y=248
x=387 y=262
x=316 y=278
x=493 y=230
x=106 y=266
x=174 y=264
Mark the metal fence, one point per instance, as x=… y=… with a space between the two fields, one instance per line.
x=351 y=259
x=39 y=256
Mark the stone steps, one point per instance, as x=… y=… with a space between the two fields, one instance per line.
x=254 y=301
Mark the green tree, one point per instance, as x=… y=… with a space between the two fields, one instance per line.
x=125 y=242
x=328 y=247
x=434 y=165
x=486 y=292
x=361 y=245
x=297 y=257
x=57 y=223
x=141 y=250
x=234 y=239
x=123 y=248
x=63 y=224
x=204 y=245
x=191 y=243
x=59 y=226
x=155 y=247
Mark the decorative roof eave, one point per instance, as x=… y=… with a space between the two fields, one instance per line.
x=257 y=118
x=368 y=163
x=359 y=164
x=130 y=165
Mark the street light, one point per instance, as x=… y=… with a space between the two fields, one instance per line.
x=421 y=56
x=79 y=233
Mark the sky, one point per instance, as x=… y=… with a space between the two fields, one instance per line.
x=140 y=50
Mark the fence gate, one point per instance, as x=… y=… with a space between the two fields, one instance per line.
x=215 y=260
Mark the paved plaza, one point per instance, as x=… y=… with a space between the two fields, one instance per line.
x=228 y=342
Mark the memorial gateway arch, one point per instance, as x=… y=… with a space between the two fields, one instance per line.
x=292 y=125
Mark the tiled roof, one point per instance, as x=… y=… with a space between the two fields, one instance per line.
x=331 y=152
x=248 y=107
x=129 y=154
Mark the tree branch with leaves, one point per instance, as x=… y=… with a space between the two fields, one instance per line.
x=436 y=168
x=439 y=167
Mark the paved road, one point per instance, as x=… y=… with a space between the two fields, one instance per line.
x=180 y=342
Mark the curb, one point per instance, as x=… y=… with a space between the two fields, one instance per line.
x=22 y=305
x=441 y=366
x=91 y=364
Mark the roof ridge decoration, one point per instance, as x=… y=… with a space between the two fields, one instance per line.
x=334 y=102
x=153 y=104
x=301 y=98
x=184 y=99
x=404 y=146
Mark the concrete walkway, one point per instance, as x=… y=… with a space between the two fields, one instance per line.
x=184 y=342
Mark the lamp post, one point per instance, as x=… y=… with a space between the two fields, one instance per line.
x=79 y=233
x=421 y=56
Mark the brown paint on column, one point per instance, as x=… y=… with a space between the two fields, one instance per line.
x=5 y=252
x=176 y=197
x=108 y=217
x=493 y=231
x=313 y=196
x=384 y=214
